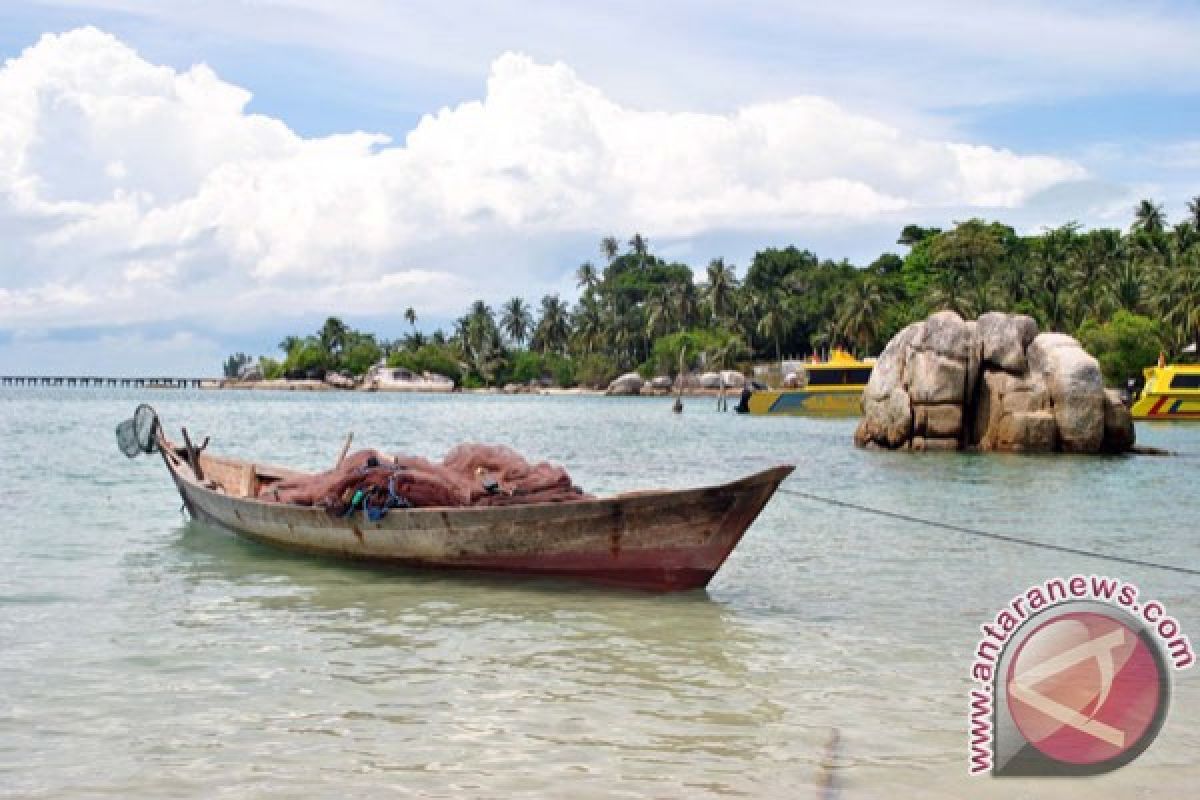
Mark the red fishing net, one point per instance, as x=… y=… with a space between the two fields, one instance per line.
x=469 y=475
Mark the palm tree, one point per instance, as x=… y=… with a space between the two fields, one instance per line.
x=333 y=335
x=775 y=319
x=1184 y=237
x=1180 y=300
x=610 y=247
x=1149 y=217
x=683 y=296
x=1096 y=256
x=481 y=341
x=640 y=246
x=659 y=314
x=588 y=323
x=1193 y=207
x=585 y=276
x=289 y=343
x=411 y=316
x=860 y=314
x=719 y=293
x=553 y=330
x=516 y=320
x=1124 y=287
x=414 y=341
x=1055 y=255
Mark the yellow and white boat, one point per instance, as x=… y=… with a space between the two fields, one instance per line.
x=1172 y=391
x=833 y=387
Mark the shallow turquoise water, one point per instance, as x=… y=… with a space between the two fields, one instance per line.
x=145 y=656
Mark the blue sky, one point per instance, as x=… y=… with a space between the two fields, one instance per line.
x=538 y=129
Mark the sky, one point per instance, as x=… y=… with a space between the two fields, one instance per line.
x=179 y=181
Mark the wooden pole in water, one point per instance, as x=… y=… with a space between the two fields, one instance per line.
x=345 y=449
x=678 y=406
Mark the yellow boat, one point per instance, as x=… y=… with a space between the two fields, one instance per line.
x=833 y=387
x=1172 y=391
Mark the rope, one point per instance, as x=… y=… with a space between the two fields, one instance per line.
x=998 y=537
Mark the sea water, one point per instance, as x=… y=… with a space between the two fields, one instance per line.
x=143 y=655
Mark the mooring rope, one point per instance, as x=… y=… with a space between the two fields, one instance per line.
x=999 y=537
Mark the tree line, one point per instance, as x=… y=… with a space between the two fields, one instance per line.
x=1127 y=294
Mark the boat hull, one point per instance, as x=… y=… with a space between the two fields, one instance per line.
x=1166 y=406
x=661 y=540
x=837 y=402
x=1172 y=392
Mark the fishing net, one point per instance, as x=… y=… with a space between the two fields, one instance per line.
x=138 y=434
x=470 y=475
x=145 y=424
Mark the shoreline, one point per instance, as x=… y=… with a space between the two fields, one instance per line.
x=283 y=385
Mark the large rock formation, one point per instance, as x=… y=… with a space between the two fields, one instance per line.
x=993 y=383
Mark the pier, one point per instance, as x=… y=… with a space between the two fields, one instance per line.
x=97 y=382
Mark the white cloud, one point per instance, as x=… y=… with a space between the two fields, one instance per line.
x=137 y=193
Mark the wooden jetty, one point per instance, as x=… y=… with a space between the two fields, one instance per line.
x=100 y=382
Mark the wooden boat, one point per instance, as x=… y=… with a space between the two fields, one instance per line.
x=657 y=540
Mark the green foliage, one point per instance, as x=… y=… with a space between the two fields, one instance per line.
x=596 y=370
x=307 y=354
x=526 y=366
x=361 y=353
x=639 y=310
x=772 y=266
x=271 y=368
x=1124 y=345
x=441 y=359
x=562 y=370
x=720 y=349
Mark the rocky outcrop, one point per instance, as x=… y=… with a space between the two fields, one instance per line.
x=993 y=384
x=662 y=383
x=339 y=381
x=628 y=384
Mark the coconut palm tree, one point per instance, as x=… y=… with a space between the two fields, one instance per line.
x=411 y=316
x=640 y=246
x=1193 y=208
x=660 y=316
x=860 y=314
x=554 y=328
x=480 y=341
x=588 y=324
x=1148 y=216
x=1054 y=257
x=610 y=247
x=775 y=319
x=516 y=320
x=333 y=335
x=585 y=276
x=718 y=294
x=289 y=343
x=1179 y=300
x=1124 y=288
